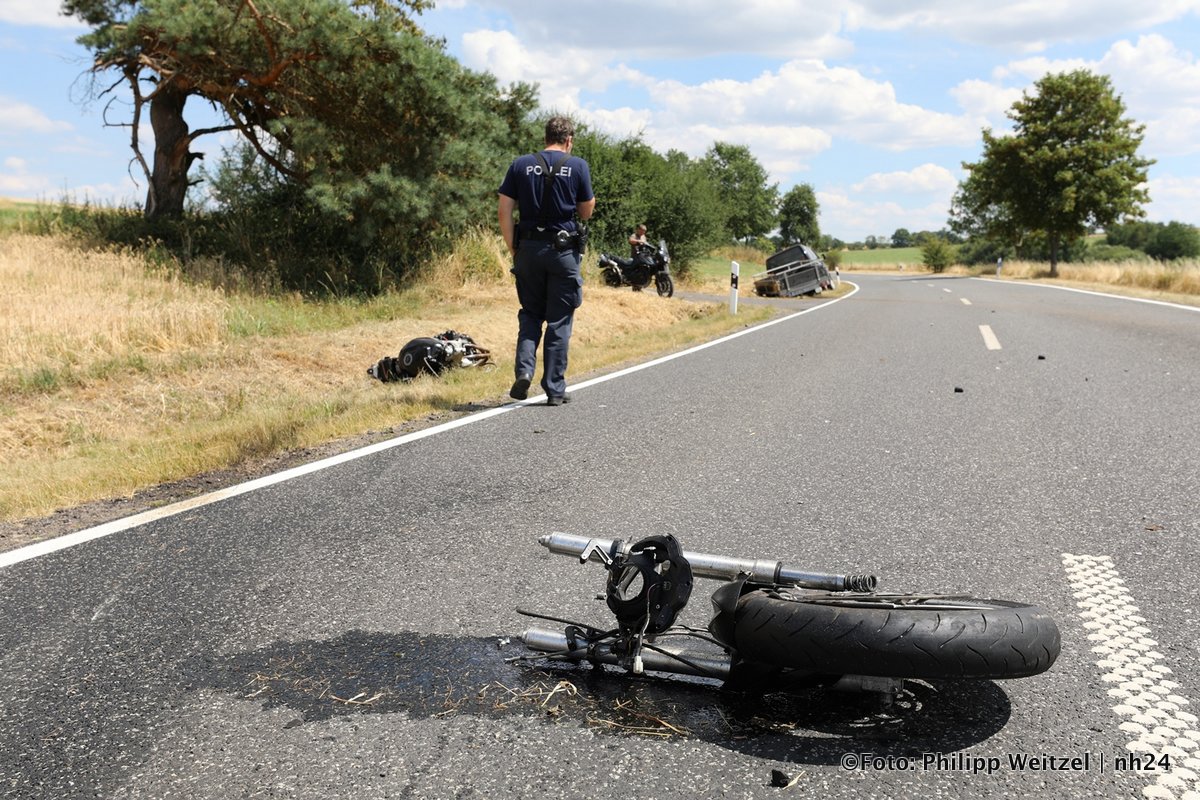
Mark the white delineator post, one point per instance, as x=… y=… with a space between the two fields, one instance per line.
x=734 y=270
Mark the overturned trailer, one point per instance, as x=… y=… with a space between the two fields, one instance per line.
x=791 y=272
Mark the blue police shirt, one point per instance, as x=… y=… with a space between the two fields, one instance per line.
x=572 y=185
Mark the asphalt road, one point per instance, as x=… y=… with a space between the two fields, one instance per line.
x=342 y=633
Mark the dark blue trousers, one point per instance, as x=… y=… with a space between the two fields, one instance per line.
x=549 y=288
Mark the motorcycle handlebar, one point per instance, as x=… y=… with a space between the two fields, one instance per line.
x=705 y=565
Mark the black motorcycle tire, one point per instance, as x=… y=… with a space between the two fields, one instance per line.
x=664 y=285
x=899 y=636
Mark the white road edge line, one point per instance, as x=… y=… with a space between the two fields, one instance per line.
x=116 y=526
x=989 y=338
x=1097 y=294
x=1148 y=703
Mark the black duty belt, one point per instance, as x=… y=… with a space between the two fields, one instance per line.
x=548 y=235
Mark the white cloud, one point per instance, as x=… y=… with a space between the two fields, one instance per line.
x=818 y=100
x=800 y=29
x=42 y=13
x=619 y=122
x=787 y=116
x=1026 y=25
x=671 y=28
x=16 y=181
x=123 y=194
x=1158 y=81
x=916 y=199
x=925 y=179
x=18 y=117
x=1174 y=198
x=985 y=101
x=851 y=219
x=561 y=73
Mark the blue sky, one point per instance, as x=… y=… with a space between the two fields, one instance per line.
x=875 y=103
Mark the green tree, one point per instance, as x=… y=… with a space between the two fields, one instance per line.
x=750 y=202
x=1174 y=240
x=345 y=98
x=829 y=243
x=1070 y=165
x=937 y=254
x=1136 y=234
x=902 y=238
x=671 y=194
x=798 y=216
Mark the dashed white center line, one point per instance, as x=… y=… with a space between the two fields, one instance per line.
x=989 y=338
x=1150 y=705
x=947 y=291
x=965 y=301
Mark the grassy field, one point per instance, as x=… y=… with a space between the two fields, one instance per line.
x=890 y=258
x=117 y=375
x=711 y=274
x=13 y=211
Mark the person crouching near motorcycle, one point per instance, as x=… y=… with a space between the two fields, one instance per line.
x=637 y=239
x=549 y=189
x=637 y=244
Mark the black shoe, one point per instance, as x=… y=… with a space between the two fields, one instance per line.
x=557 y=399
x=520 y=387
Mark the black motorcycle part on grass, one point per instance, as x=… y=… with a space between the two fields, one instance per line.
x=664 y=285
x=899 y=636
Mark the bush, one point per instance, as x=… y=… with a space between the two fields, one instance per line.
x=1101 y=251
x=981 y=251
x=1174 y=240
x=937 y=254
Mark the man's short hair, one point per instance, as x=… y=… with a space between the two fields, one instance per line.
x=558 y=130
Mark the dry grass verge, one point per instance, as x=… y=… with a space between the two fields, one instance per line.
x=117 y=376
x=1177 y=281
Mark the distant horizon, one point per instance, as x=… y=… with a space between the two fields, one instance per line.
x=876 y=109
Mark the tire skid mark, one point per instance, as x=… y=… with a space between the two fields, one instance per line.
x=1148 y=703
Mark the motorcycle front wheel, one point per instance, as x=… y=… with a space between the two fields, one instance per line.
x=664 y=285
x=898 y=636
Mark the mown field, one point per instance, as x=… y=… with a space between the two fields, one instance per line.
x=893 y=258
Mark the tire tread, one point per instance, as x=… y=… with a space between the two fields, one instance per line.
x=1007 y=640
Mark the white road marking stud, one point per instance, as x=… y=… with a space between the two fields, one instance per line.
x=1150 y=707
x=965 y=301
x=990 y=340
x=947 y=291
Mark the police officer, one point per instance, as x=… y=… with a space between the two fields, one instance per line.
x=548 y=189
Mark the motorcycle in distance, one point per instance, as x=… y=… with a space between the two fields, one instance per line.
x=778 y=627
x=646 y=265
